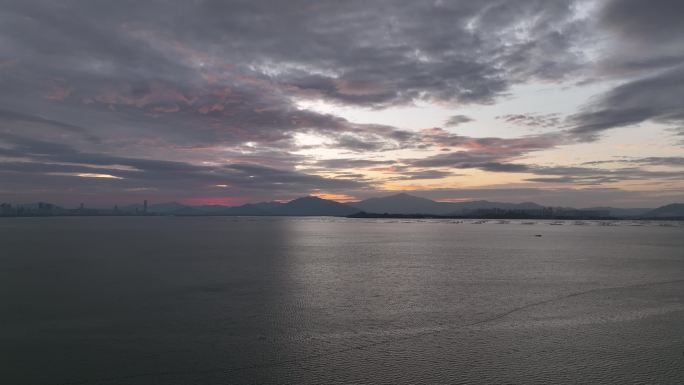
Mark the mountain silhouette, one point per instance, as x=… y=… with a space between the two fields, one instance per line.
x=312 y=206
x=408 y=204
x=402 y=204
x=399 y=204
x=673 y=210
x=621 y=212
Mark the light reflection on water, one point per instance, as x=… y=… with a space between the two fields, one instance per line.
x=329 y=300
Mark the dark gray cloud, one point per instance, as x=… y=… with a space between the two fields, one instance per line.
x=456 y=159
x=186 y=74
x=448 y=51
x=504 y=146
x=533 y=120
x=655 y=98
x=356 y=143
x=598 y=176
x=643 y=52
x=641 y=37
x=425 y=174
x=502 y=167
x=673 y=161
x=172 y=96
x=466 y=51
x=560 y=179
x=499 y=158
x=456 y=120
x=12 y=118
x=407 y=173
x=491 y=154
x=342 y=163
x=39 y=165
x=645 y=20
x=670 y=161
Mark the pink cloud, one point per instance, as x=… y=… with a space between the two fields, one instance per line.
x=58 y=92
x=504 y=146
x=155 y=93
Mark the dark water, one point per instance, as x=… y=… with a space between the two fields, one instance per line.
x=154 y=300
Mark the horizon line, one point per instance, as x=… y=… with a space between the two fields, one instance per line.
x=148 y=203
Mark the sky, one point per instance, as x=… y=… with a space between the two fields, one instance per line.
x=566 y=103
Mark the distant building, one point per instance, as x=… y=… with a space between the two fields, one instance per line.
x=6 y=209
x=45 y=208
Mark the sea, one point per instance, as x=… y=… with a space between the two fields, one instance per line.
x=285 y=300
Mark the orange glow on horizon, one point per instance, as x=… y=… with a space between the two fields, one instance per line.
x=454 y=200
x=335 y=197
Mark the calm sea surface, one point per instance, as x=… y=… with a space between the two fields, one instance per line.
x=220 y=300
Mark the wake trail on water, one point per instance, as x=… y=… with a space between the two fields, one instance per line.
x=440 y=328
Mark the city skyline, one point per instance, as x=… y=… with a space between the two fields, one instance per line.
x=564 y=103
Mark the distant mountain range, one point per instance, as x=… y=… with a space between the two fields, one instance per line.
x=398 y=204
x=408 y=204
x=668 y=211
x=394 y=204
x=306 y=206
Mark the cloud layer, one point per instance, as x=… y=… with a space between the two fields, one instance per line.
x=205 y=98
